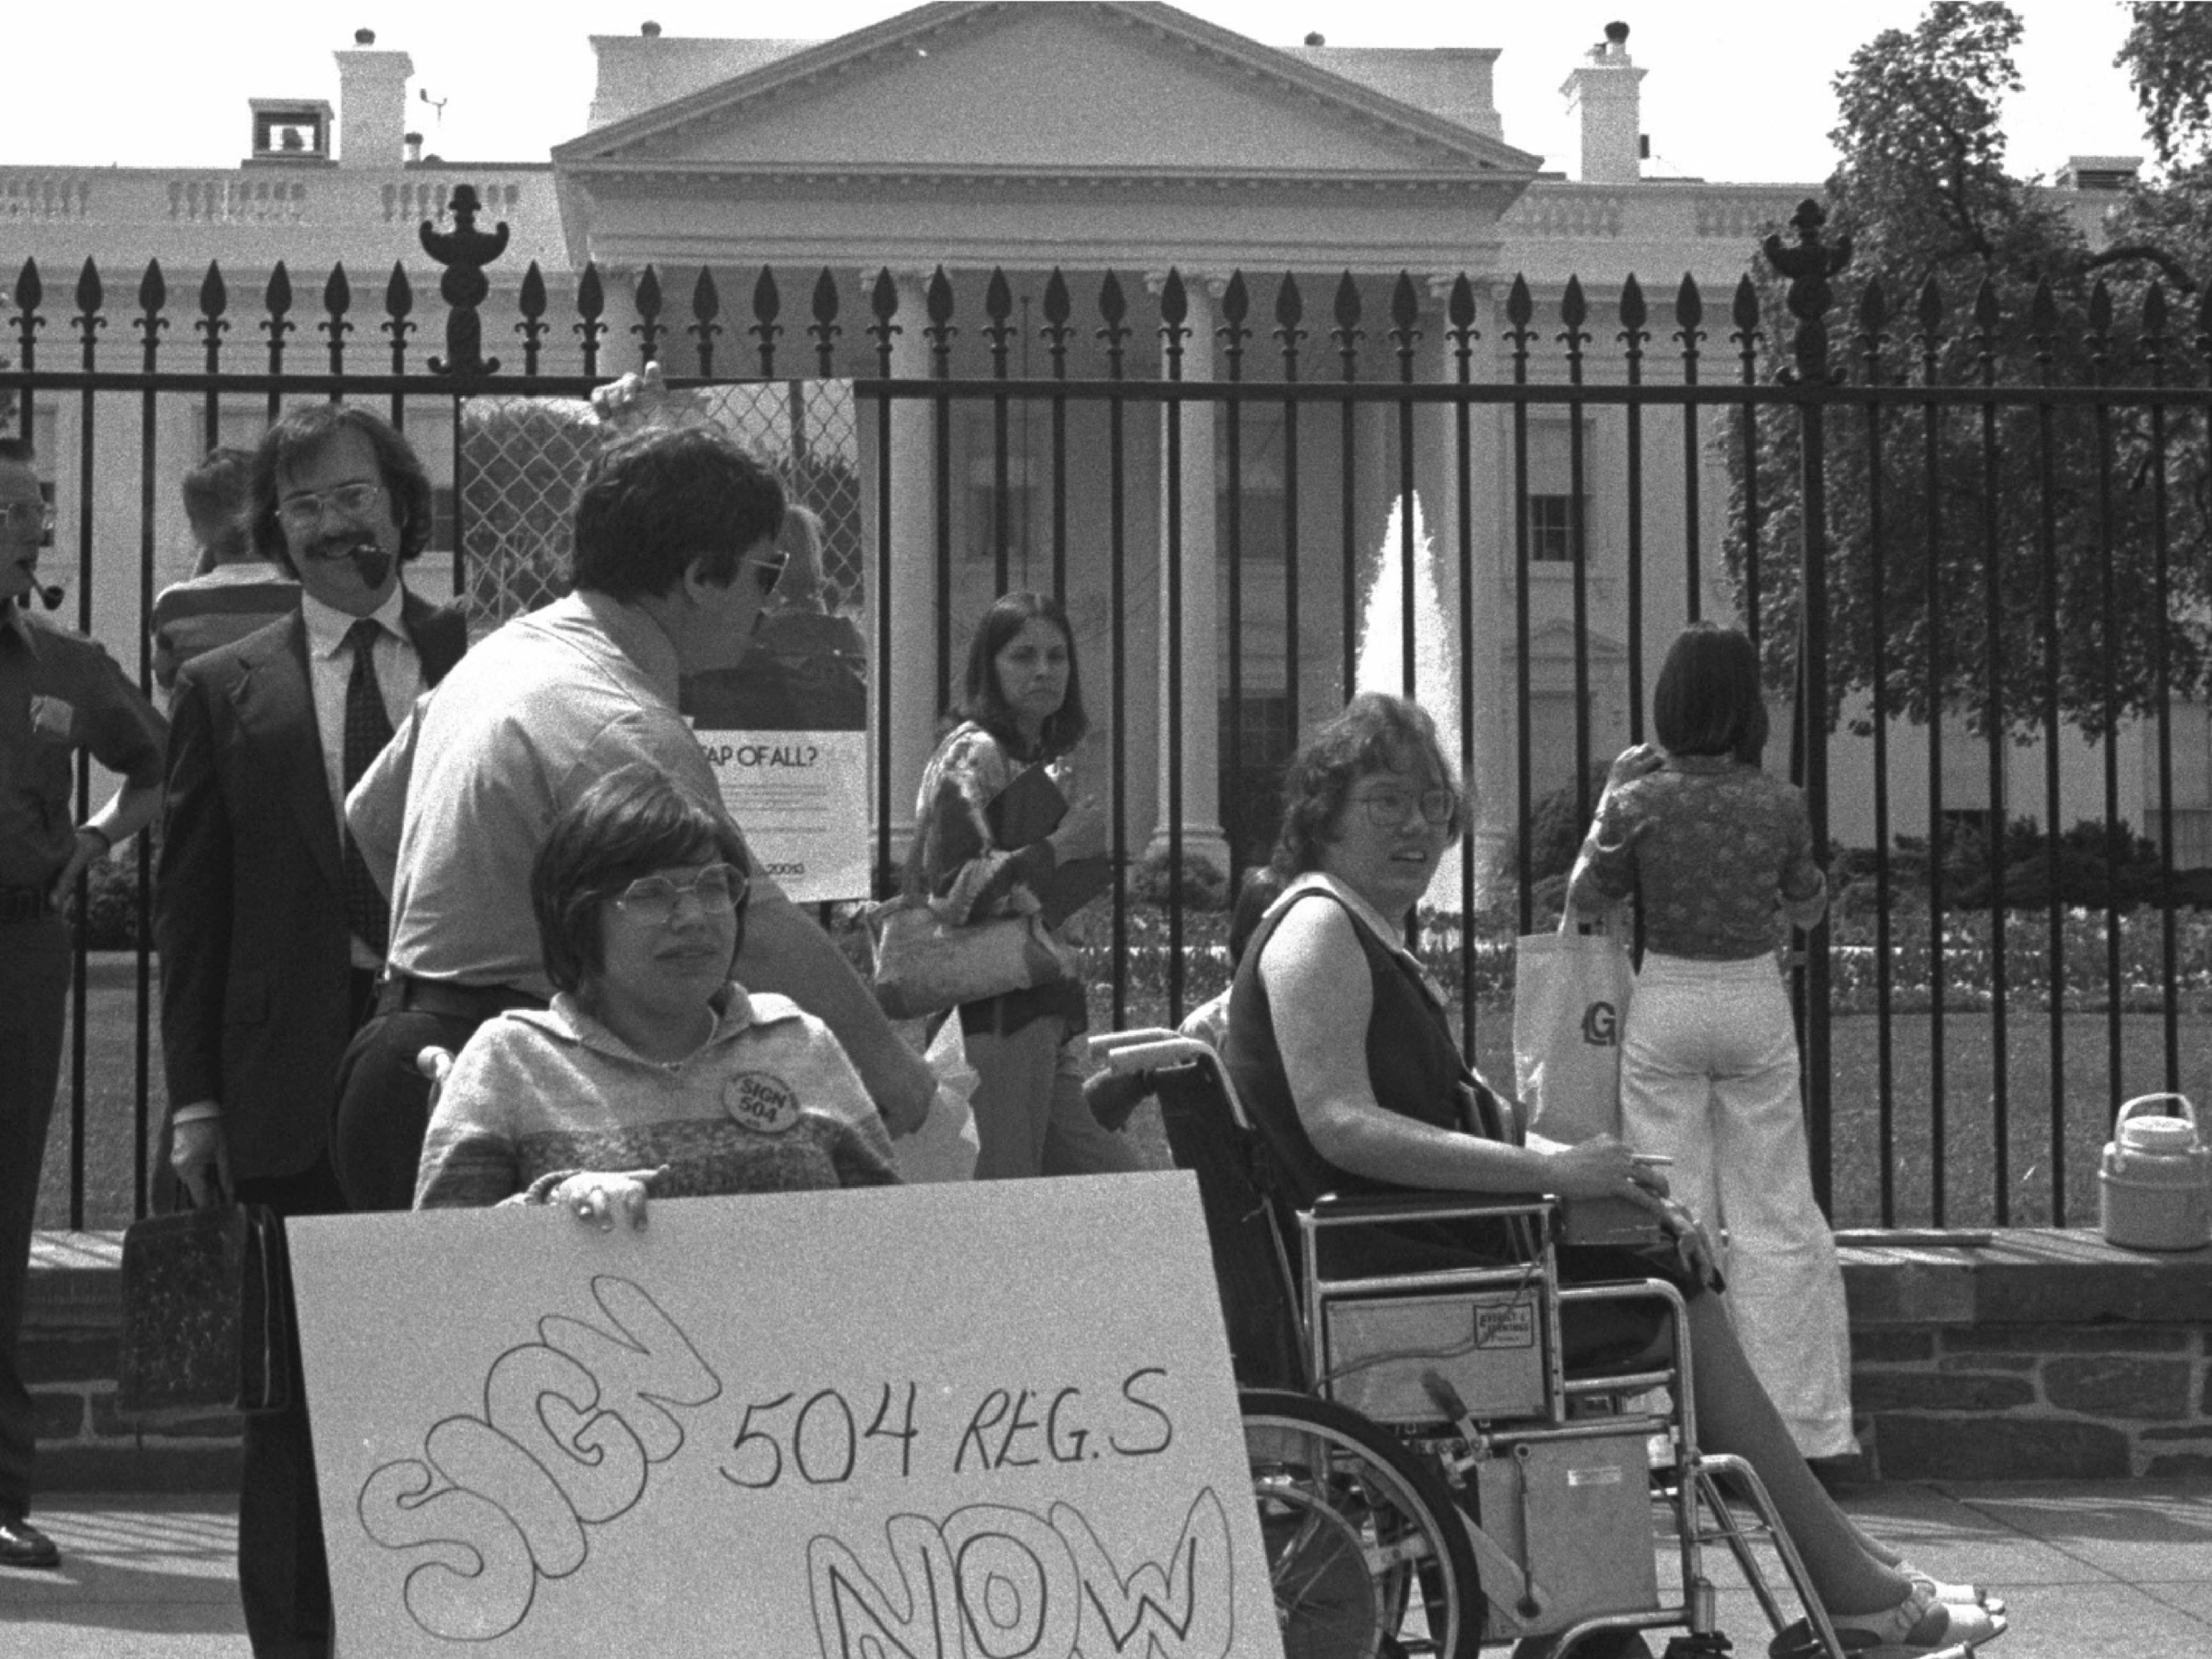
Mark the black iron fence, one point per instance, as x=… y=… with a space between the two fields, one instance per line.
x=1983 y=601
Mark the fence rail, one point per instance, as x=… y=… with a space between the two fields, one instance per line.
x=1259 y=503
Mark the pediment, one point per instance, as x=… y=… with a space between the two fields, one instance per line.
x=1071 y=89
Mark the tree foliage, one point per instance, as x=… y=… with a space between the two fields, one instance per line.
x=1953 y=529
x=2168 y=58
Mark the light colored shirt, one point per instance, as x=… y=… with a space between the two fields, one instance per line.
x=191 y=618
x=768 y=1102
x=1715 y=848
x=458 y=804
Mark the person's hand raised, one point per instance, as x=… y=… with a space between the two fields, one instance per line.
x=1634 y=762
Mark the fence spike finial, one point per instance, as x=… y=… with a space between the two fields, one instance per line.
x=1808 y=266
x=464 y=251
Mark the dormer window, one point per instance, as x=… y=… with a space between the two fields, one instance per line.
x=291 y=130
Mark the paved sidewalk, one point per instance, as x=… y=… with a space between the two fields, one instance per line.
x=2119 y=1570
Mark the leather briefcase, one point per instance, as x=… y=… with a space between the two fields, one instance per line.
x=206 y=1303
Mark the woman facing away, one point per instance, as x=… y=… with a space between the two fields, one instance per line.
x=1721 y=855
x=651 y=1069
x=984 y=854
x=1339 y=1041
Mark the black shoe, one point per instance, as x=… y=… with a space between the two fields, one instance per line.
x=22 y=1545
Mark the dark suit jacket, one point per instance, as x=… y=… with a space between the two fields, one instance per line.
x=249 y=910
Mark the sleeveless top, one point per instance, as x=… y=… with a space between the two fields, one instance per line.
x=1416 y=1069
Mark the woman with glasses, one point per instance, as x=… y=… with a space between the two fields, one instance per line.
x=1339 y=1042
x=1721 y=855
x=998 y=838
x=651 y=1071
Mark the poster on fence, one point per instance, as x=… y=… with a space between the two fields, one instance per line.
x=923 y=1421
x=786 y=730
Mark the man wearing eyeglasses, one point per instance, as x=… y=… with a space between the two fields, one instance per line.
x=271 y=930
x=675 y=554
x=59 y=693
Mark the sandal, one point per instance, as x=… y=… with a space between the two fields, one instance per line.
x=1919 y=1627
x=1958 y=1595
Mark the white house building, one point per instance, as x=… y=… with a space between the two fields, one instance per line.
x=1019 y=141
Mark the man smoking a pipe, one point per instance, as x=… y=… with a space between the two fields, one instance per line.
x=271 y=931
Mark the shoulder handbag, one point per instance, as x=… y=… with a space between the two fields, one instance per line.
x=1571 y=994
x=206 y=1302
x=925 y=965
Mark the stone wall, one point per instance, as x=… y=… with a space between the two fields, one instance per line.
x=2039 y=1355
x=2043 y=1354
x=71 y=1326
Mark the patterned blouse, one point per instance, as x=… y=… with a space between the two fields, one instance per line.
x=968 y=877
x=1714 y=845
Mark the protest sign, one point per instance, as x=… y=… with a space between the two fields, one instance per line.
x=786 y=730
x=936 y=1423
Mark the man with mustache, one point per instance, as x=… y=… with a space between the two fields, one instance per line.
x=271 y=931
x=59 y=693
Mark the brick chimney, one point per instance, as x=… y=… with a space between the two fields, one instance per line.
x=371 y=104
x=1604 y=94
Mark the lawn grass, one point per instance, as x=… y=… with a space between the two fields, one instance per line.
x=1858 y=1154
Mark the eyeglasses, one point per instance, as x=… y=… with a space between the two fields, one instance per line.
x=304 y=512
x=28 y=515
x=767 y=572
x=1392 y=809
x=654 y=899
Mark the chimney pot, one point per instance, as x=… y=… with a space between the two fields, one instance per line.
x=1316 y=38
x=649 y=29
x=364 y=37
x=1617 y=32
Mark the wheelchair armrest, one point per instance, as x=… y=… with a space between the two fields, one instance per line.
x=1106 y=1045
x=1416 y=1205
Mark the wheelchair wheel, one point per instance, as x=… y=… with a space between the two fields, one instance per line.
x=1366 y=1552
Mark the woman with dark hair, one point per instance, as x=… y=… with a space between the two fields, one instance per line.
x=1723 y=856
x=652 y=1069
x=1340 y=1045
x=983 y=853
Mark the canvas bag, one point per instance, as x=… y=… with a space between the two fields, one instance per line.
x=1570 y=1008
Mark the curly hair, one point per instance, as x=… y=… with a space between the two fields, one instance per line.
x=1376 y=733
x=629 y=824
x=299 y=438
x=984 y=700
x=655 y=500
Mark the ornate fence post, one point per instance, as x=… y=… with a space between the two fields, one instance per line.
x=1808 y=266
x=464 y=251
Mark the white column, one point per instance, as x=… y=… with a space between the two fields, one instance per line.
x=911 y=601
x=1193 y=710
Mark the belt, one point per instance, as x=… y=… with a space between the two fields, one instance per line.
x=25 y=904
x=450 y=999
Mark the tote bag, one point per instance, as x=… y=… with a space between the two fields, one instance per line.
x=1570 y=1007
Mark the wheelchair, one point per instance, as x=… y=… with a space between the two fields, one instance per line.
x=1430 y=1477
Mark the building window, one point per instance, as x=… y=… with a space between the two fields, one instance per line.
x=1261 y=485
x=1252 y=772
x=2192 y=726
x=1552 y=529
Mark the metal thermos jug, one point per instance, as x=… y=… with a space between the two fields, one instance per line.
x=2154 y=1189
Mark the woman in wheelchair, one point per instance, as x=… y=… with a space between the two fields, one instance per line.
x=1339 y=1044
x=653 y=1071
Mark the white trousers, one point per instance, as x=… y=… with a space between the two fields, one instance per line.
x=1709 y=1076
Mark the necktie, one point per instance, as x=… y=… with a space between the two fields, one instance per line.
x=368 y=729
